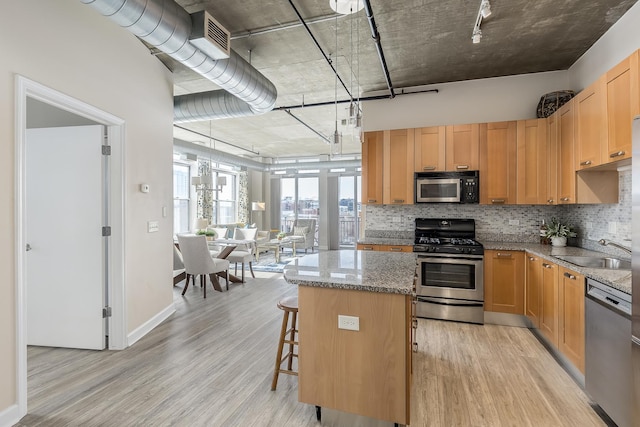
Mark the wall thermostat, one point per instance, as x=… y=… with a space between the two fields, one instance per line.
x=144 y=188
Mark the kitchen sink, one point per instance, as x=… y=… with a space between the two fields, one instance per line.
x=597 y=262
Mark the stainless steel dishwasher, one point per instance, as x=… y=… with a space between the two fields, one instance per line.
x=608 y=375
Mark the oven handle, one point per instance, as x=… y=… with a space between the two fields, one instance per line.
x=472 y=260
x=450 y=302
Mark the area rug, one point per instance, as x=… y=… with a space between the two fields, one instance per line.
x=268 y=262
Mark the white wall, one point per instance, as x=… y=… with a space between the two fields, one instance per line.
x=620 y=41
x=67 y=46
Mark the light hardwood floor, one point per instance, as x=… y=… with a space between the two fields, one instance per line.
x=211 y=364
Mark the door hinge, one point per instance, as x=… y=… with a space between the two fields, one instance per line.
x=106 y=231
x=106 y=312
x=106 y=150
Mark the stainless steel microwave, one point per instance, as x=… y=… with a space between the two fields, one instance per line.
x=447 y=187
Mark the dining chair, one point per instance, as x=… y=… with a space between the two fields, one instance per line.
x=198 y=261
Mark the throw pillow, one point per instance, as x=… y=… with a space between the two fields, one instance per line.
x=221 y=233
x=300 y=231
x=245 y=234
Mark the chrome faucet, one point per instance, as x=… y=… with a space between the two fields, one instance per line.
x=604 y=242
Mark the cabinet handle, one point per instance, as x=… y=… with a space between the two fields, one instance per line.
x=549 y=200
x=462 y=167
x=497 y=201
x=585 y=163
x=617 y=154
x=570 y=276
x=398 y=200
x=372 y=201
x=503 y=255
x=545 y=265
x=565 y=199
x=531 y=258
x=395 y=249
x=367 y=248
x=429 y=168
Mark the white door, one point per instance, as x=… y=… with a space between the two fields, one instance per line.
x=63 y=228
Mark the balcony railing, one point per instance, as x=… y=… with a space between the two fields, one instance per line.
x=347 y=228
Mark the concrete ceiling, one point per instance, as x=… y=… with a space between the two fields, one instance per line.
x=424 y=42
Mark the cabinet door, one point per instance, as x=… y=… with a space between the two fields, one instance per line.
x=396 y=248
x=429 y=149
x=363 y=247
x=533 y=162
x=504 y=281
x=590 y=125
x=571 y=325
x=549 y=306
x=533 y=289
x=622 y=106
x=551 y=183
x=462 y=147
x=566 y=166
x=498 y=163
x=372 y=168
x=397 y=171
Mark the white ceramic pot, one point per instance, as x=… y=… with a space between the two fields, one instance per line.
x=559 y=241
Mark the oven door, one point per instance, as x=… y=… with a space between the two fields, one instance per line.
x=451 y=276
x=438 y=190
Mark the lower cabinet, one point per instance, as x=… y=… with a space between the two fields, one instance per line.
x=549 y=305
x=533 y=289
x=384 y=248
x=571 y=325
x=504 y=281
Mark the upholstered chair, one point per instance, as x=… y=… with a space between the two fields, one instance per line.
x=198 y=261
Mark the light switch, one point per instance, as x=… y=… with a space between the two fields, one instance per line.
x=153 y=226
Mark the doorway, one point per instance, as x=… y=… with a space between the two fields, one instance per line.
x=28 y=92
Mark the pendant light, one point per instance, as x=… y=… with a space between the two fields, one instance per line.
x=336 y=142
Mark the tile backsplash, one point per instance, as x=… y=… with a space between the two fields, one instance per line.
x=515 y=223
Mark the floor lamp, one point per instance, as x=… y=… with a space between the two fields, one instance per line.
x=257 y=206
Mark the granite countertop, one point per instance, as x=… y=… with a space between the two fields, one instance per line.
x=385 y=241
x=386 y=272
x=618 y=279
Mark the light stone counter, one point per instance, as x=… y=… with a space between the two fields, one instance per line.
x=387 y=272
x=618 y=279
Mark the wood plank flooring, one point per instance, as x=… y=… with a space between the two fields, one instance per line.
x=211 y=364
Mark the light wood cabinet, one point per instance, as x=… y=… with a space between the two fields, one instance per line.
x=622 y=105
x=462 y=147
x=549 y=307
x=365 y=372
x=533 y=289
x=498 y=163
x=504 y=281
x=551 y=185
x=566 y=165
x=372 y=168
x=590 y=125
x=429 y=149
x=384 y=248
x=397 y=167
x=533 y=162
x=571 y=326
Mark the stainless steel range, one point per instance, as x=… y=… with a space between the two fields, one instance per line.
x=450 y=273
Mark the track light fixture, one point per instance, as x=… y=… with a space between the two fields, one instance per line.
x=483 y=12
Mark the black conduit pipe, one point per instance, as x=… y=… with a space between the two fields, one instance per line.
x=376 y=38
x=344 y=101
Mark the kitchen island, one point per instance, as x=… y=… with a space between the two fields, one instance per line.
x=366 y=369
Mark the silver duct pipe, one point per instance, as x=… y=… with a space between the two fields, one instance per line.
x=258 y=166
x=166 y=26
x=216 y=104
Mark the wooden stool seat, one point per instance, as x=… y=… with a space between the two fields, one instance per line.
x=288 y=305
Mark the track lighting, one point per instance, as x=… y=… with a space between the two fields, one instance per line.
x=483 y=12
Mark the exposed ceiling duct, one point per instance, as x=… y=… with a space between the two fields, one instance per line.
x=166 y=26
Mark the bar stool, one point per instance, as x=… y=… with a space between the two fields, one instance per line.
x=288 y=305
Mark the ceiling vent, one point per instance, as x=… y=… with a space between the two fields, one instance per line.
x=209 y=36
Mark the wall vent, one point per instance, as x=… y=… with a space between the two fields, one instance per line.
x=209 y=36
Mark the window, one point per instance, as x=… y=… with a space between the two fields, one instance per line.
x=349 y=209
x=298 y=199
x=220 y=207
x=181 y=198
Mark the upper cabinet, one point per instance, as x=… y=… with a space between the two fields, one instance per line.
x=533 y=163
x=622 y=105
x=430 y=149
x=397 y=176
x=566 y=168
x=590 y=125
x=372 y=168
x=498 y=163
x=462 y=147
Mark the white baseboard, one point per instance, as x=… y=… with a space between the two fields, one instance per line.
x=147 y=326
x=10 y=416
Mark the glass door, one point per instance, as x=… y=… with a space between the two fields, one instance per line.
x=348 y=210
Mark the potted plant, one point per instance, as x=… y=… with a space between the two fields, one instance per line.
x=558 y=232
x=210 y=234
x=281 y=235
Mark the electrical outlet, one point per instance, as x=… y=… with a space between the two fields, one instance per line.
x=514 y=222
x=152 y=226
x=613 y=227
x=350 y=323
